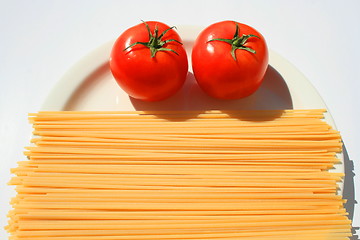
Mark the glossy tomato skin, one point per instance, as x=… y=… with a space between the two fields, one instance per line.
x=142 y=76
x=216 y=71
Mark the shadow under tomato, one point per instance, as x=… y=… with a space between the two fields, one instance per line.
x=273 y=94
x=177 y=102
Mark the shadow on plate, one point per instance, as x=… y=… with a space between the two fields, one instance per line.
x=273 y=94
x=349 y=190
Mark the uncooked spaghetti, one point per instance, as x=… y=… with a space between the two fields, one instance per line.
x=218 y=175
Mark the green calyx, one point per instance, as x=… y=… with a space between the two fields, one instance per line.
x=155 y=42
x=237 y=42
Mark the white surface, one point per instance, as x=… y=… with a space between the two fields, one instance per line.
x=41 y=40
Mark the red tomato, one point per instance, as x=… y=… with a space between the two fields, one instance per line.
x=149 y=62
x=229 y=60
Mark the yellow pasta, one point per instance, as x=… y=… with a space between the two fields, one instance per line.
x=213 y=174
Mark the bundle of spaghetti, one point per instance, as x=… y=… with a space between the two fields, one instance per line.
x=218 y=175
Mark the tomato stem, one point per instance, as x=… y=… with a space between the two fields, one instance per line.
x=237 y=42
x=155 y=42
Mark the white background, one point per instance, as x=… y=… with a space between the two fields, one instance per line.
x=41 y=39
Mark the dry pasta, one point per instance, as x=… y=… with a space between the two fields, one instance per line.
x=219 y=175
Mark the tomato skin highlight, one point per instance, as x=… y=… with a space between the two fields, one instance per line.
x=218 y=73
x=145 y=77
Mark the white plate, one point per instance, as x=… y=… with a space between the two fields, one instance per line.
x=89 y=85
